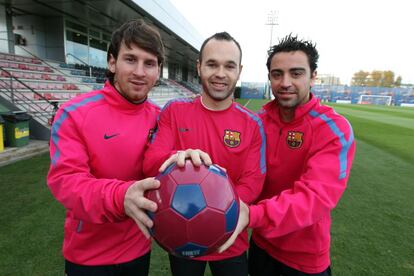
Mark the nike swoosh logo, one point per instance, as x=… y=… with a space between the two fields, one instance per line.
x=183 y=129
x=106 y=137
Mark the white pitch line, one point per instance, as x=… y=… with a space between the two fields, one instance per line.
x=247 y=103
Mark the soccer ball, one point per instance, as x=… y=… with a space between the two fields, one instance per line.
x=198 y=209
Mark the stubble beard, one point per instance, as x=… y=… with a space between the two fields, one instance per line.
x=220 y=96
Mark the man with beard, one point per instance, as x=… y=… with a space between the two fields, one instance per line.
x=310 y=150
x=213 y=128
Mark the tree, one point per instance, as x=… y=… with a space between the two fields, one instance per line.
x=360 y=78
x=376 y=78
x=388 y=79
x=398 y=81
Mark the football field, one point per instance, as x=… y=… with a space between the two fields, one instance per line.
x=372 y=229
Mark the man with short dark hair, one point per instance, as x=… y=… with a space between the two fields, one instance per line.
x=213 y=128
x=97 y=146
x=310 y=150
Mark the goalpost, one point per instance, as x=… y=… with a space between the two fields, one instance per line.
x=375 y=99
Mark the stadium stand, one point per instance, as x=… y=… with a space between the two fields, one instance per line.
x=34 y=86
x=181 y=88
x=47 y=56
x=353 y=94
x=195 y=88
x=39 y=87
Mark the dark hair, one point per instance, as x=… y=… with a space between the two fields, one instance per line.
x=139 y=33
x=219 y=36
x=291 y=44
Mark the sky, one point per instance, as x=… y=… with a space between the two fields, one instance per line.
x=350 y=35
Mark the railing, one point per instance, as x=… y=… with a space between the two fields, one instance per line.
x=43 y=113
x=75 y=57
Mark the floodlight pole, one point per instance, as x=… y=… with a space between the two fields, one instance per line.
x=272 y=21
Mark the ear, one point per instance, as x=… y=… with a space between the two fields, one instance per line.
x=111 y=64
x=313 y=78
x=198 y=68
x=240 y=70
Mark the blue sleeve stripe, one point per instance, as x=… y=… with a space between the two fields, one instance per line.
x=346 y=145
x=58 y=123
x=263 y=136
x=177 y=100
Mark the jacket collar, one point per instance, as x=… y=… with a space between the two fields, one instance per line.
x=272 y=109
x=115 y=99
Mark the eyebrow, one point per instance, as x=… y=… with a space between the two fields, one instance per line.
x=130 y=55
x=290 y=70
x=227 y=62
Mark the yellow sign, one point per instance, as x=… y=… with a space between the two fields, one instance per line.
x=21 y=133
x=1 y=138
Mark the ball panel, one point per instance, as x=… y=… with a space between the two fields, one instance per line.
x=162 y=230
x=220 y=241
x=206 y=227
x=232 y=216
x=189 y=173
x=188 y=200
x=190 y=250
x=167 y=170
x=163 y=196
x=217 y=170
x=217 y=191
x=197 y=210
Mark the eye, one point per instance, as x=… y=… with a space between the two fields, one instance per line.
x=129 y=59
x=150 y=64
x=297 y=74
x=211 y=64
x=276 y=75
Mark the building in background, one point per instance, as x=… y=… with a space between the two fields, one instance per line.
x=327 y=79
x=79 y=32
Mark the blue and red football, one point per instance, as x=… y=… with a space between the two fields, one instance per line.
x=197 y=212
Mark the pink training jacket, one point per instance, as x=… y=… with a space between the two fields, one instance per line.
x=308 y=165
x=234 y=139
x=97 y=147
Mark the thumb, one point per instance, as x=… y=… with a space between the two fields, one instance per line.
x=228 y=243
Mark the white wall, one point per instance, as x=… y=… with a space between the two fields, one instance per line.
x=44 y=36
x=32 y=29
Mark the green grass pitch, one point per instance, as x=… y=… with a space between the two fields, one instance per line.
x=372 y=229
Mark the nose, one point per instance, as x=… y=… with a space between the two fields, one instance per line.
x=220 y=72
x=139 y=69
x=286 y=81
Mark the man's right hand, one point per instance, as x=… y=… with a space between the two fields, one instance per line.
x=136 y=204
x=242 y=223
x=197 y=156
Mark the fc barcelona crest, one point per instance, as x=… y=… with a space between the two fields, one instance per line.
x=231 y=138
x=294 y=139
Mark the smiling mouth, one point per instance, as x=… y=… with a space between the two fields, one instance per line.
x=219 y=85
x=286 y=93
x=137 y=80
